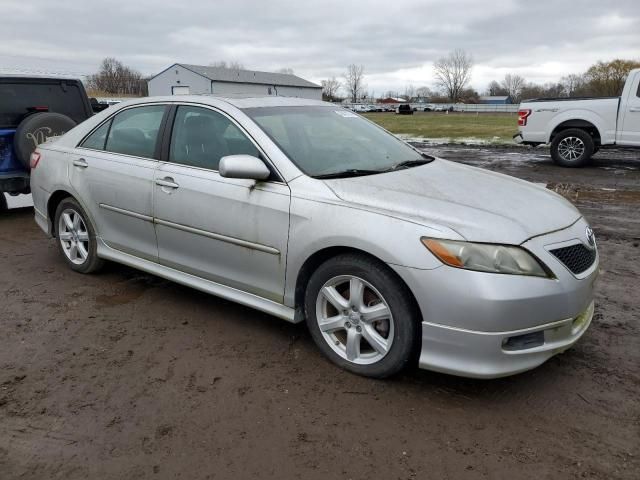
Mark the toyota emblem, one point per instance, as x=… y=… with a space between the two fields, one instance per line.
x=591 y=237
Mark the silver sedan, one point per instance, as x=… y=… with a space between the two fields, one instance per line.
x=309 y=212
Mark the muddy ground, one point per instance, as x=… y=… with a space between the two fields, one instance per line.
x=122 y=375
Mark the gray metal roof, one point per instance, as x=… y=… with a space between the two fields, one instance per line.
x=249 y=76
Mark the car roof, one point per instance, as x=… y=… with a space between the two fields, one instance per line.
x=238 y=101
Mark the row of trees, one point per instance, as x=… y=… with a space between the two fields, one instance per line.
x=602 y=79
x=452 y=76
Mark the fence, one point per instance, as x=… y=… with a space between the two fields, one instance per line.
x=458 y=107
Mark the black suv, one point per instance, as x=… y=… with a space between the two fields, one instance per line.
x=405 y=109
x=32 y=109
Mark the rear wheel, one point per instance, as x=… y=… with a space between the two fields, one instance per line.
x=76 y=237
x=572 y=148
x=3 y=202
x=361 y=316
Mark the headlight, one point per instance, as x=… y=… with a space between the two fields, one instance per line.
x=484 y=257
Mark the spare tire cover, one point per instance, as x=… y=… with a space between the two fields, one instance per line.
x=37 y=129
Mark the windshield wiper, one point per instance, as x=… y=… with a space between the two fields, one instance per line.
x=351 y=172
x=411 y=163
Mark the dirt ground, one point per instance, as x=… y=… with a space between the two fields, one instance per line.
x=122 y=375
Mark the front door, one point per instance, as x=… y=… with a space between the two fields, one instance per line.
x=231 y=231
x=113 y=172
x=630 y=134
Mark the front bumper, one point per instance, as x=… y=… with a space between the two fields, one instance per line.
x=495 y=354
x=486 y=325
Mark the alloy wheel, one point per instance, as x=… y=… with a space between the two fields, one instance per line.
x=354 y=319
x=73 y=236
x=571 y=148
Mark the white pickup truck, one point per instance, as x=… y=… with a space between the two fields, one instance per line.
x=578 y=127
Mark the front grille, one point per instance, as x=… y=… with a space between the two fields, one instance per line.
x=577 y=258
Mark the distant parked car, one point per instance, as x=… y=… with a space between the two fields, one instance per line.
x=404 y=109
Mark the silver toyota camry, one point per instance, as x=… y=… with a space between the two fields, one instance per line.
x=310 y=212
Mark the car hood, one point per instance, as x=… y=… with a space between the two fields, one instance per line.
x=479 y=205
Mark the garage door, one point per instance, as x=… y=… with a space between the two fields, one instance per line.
x=180 y=90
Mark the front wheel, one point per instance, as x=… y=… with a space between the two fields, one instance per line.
x=572 y=148
x=76 y=237
x=361 y=316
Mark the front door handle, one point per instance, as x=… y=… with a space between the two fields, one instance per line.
x=167 y=182
x=80 y=162
x=634 y=109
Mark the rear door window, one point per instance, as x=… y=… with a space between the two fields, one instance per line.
x=135 y=131
x=17 y=98
x=97 y=140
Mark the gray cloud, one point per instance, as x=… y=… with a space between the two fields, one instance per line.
x=395 y=41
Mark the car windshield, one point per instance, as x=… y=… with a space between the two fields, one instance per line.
x=328 y=140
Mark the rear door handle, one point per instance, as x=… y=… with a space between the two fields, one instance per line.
x=81 y=162
x=167 y=182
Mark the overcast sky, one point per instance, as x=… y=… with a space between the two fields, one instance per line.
x=397 y=41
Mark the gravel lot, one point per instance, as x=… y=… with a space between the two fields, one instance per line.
x=125 y=375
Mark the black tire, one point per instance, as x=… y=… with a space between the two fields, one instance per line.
x=91 y=263
x=35 y=129
x=3 y=202
x=561 y=153
x=406 y=319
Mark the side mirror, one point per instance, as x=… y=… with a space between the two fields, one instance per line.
x=243 y=166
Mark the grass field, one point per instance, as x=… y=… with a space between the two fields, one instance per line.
x=457 y=127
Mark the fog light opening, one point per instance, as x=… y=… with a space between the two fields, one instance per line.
x=523 y=342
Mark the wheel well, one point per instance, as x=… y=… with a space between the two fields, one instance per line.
x=318 y=258
x=588 y=127
x=52 y=206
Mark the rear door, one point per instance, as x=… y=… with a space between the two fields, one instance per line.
x=231 y=231
x=113 y=171
x=630 y=132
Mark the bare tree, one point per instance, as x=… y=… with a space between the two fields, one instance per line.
x=572 y=84
x=513 y=85
x=494 y=89
x=114 y=77
x=232 y=65
x=330 y=88
x=354 y=81
x=423 y=92
x=409 y=92
x=453 y=73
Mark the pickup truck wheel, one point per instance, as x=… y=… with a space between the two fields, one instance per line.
x=3 y=202
x=361 y=316
x=572 y=148
x=76 y=237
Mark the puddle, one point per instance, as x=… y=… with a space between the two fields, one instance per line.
x=575 y=193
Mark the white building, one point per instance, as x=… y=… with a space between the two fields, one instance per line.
x=183 y=79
